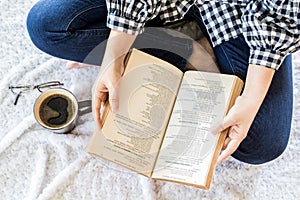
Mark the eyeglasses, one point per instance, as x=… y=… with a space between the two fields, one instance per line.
x=21 y=89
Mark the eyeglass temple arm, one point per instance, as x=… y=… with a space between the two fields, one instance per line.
x=17 y=98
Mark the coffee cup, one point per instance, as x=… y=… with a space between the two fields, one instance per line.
x=58 y=110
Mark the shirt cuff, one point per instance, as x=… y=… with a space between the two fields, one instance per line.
x=124 y=24
x=265 y=57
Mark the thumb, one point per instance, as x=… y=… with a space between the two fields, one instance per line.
x=227 y=122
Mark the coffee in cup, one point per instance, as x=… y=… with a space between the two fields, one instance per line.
x=57 y=110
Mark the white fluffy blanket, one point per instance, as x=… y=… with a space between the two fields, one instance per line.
x=37 y=164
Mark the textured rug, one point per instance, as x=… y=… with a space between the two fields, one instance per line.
x=36 y=164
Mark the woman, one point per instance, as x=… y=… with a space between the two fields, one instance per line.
x=251 y=39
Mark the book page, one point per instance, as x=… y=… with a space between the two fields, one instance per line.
x=188 y=147
x=132 y=136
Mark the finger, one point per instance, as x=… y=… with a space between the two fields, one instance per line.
x=96 y=109
x=231 y=147
x=225 y=144
x=99 y=116
x=98 y=102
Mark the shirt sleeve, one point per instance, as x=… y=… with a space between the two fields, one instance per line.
x=272 y=30
x=129 y=16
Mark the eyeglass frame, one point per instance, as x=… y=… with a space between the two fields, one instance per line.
x=27 y=88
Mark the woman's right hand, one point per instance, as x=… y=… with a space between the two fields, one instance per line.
x=106 y=88
x=107 y=83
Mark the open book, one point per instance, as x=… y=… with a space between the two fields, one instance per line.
x=162 y=127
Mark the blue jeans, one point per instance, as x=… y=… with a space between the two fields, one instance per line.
x=72 y=29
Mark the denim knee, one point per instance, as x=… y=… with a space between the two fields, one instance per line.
x=36 y=27
x=259 y=150
x=43 y=27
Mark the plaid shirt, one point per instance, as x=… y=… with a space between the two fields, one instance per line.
x=270 y=27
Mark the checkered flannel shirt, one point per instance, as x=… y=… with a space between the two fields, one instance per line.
x=270 y=27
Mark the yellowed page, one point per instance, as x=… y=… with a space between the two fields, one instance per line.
x=188 y=147
x=132 y=136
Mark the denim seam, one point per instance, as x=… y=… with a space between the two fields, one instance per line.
x=229 y=59
x=80 y=13
x=90 y=32
x=70 y=35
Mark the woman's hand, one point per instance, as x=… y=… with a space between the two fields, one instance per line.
x=238 y=120
x=243 y=112
x=107 y=83
x=106 y=88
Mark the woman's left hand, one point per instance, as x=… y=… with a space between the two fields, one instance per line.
x=238 y=120
x=243 y=112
